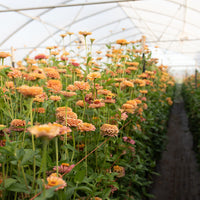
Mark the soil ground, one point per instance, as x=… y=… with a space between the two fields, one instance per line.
x=179 y=176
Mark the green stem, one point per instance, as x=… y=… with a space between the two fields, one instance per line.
x=73 y=146
x=56 y=146
x=33 y=142
x=84 y=105
x=86 y=152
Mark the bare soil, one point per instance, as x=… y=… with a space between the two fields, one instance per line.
x=179 y=176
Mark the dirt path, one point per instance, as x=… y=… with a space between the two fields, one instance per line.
x=179 y=177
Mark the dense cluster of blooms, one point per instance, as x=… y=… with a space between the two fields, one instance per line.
x=82 y=127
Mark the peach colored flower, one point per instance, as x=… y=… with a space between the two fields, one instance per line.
x=81 y=85
x=54 y=181
x=39 y=110
x=63 y=109
x=84 y=33
x=144 y=91
x=97 y=103
x=4 y=54
x=53 y=74
x=30 y=91
x=14 y=73
x=109 y=130
x=45 y=130
x=64 y=168
x=126 y=83
x=80 y=103
x=86 y=127
x=93 y=76
x=55 y=85
x=9 y=84
x=17 y=123
x=68 y=94
x=41 y=97
x=109 y=99
x=55 y=98
x=120 y=170
x=122 y=42
x=71 y=88
x=73 y=122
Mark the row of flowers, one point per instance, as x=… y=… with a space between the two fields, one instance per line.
x=191 y=95
x=82 y=129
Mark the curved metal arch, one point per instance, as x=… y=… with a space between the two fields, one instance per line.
x=196 y=10
x=162 y=14
x=28 y=22
x=86 y=17
x=102 y=26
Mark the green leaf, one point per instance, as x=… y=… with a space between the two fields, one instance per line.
x=9 y=182
x=18 y=187
x=79 y=176
x=48 y=193
x=19 y=154
x=84 y=188
x=27 y=156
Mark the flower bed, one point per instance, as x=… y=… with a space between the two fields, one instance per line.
x=83 y=130
x=191 y=95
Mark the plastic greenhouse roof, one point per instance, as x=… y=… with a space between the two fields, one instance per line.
x=173 y=25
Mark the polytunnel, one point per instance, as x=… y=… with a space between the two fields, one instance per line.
x=99 y=100
x=172 y=25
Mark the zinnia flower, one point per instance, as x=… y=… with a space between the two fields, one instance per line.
x=93 y=76
x=86 y=127
x=81 y=85
x=55 y=181
x=30 y=91
x=45 y=130
x=4 y=54
x=109 y=130
x=64 y=168
x=120 y=170
x=55 y=85
x=55 y=98
x=41 y=56
x=84 y=33
x=129 y=140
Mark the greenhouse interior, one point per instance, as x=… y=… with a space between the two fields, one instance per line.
x=99 y=100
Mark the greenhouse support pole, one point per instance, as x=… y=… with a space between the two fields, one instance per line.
x=12 y=57
x=196 y=78
x=143 y=50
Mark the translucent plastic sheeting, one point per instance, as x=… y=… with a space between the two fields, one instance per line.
x=173 y=25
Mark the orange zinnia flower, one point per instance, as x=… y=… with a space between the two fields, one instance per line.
x=30 y=91
x=45 y=130
x=109 y=130
x=84 y=33
x=55 y=85
x=81 y=85
x=86 y=127
x=4 y=54
x=54 y=181
x=93 y=76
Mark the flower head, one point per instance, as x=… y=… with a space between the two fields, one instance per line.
x=81 y=85
x=30 y=91
x=45 y=130
x=129 y=140
x=93 y=76
x=109 y=130
x=120 y=170
x=64 y=168
x=86 y=127
x=55 y=181
x=41 y=56
x=4 y=54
